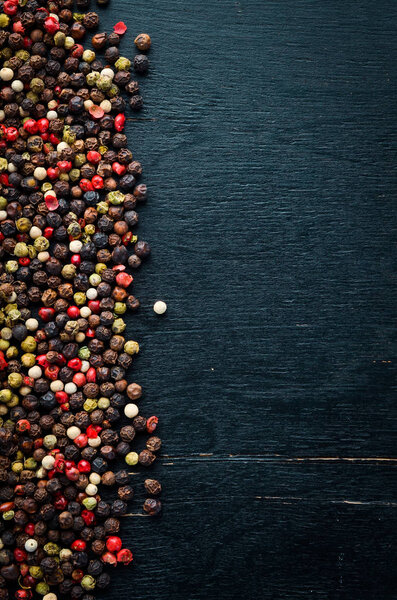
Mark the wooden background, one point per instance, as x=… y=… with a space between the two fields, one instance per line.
x=268 y=141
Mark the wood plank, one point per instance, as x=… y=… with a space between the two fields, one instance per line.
x=268 y=147
x=271 y=531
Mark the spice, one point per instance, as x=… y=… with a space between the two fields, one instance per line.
x=69 y=188
x=159 y=307
x=143 y=42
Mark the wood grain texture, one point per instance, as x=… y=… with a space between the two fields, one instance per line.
x=268 y=141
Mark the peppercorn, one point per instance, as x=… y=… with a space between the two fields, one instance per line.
x=152 y=486
x=143 y=41
x=152 y=506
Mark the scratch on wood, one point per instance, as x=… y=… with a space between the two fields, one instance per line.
x=210 y=457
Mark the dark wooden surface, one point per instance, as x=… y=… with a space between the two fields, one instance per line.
x=268 y=141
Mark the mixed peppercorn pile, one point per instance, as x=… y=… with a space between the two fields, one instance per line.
x=69 y=188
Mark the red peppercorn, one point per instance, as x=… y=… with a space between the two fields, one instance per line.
x=51 y=372
x=10 y=8
x=124 y=279
x=61 y=397
x=64 y=166
x=124 y=556
x=151 y=424
x=75 y=259
x=12 y=134
x=96 y=112
x=90 y=333
x=84 y=466
x=86 y=185
x=127 y=237
x=59 y=465
x=20 y=555
x=51 y=202
x=91 y=375
x=79 y=379
x=60 y=503
x=97 y=182
x=51 y=25
x=109 y=559
x=24 y=594
x=46 y=313
x=42 y=360
x=28 y=581
x=73 y=473
x=54 y=140
x=29 y=529
x=81 y=440
x=118 y=168
x=48 y=232
x=17 y=27
x=43 y=125
x=113 y=543
x=88 y=517
x=53 y=172
x=3 y=362
x=22 y=425
x=119 y=122
x=73 y=313
x=78 y=545
x=93 y=430
x=77 y=51
x=94 y=157
x=24 y=261
x=75 y=364
x=94 y=306
x=30 y=126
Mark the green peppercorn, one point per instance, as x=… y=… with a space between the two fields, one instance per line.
x=30 y=463
x=36 y=572
x=41 y=244
x=15 y=380
x=131 y=347
x=21 y=250
x=123 y=64
x=29 y=344
x=84 y=353
x=68 y=272
x=59 y=39
x=89 y=503
x=90 y=404
x=42 y=588
x=37 y=85
x=132 y=459
x=88 y=582
x=12 y=266
x=80 y=298
x=115 y=198
x=103 y=403
x=118 y=326
x=4 y=20
x=52 y=549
